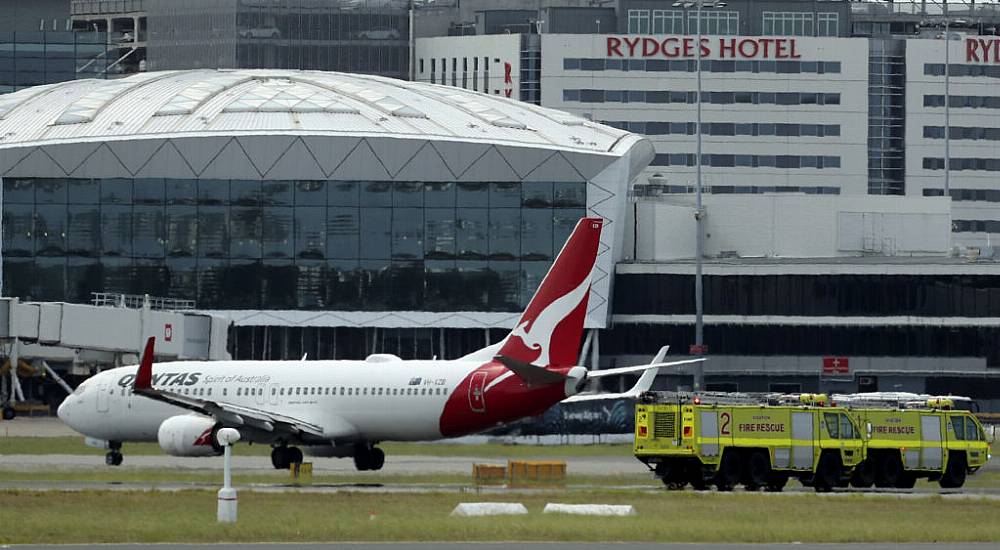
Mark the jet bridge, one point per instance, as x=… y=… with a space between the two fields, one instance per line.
x=80 y=339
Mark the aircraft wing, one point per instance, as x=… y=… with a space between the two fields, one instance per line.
x=230 y=415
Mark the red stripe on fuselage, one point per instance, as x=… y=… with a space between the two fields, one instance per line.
x=507 y=401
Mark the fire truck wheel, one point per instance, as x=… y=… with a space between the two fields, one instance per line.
x=757 y=472
x=863 y=476
x=827 y=473
x=729 y=471
x=907 y=480
x=954 y=473
x=888 y=469
x=776 y=482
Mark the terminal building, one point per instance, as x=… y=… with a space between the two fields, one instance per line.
x=324 y=214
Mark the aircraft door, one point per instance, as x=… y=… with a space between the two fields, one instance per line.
x=103 y=398
x=477 y=392
x=273 y=392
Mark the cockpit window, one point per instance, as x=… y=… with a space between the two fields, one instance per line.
x=83 y=385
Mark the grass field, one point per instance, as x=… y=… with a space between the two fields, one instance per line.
x=75 y=446
x=189 y=516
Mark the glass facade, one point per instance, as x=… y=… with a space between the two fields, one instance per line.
x=366 y=38
x=886 y=117
x=715 y=98
x=45 y=57
x=336 y=245
x=812 y=295
x=785 y=340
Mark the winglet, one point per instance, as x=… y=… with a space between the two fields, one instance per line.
x=144 y=376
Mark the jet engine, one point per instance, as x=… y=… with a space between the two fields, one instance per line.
x=189 y=435
x=576 y=380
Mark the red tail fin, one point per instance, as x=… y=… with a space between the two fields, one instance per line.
x=144 y=376
x=548 y=332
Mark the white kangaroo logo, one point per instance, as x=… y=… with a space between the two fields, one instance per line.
x=544 y=324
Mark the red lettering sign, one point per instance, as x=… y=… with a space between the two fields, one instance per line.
x=722 y=48
x=982 y=50
x=508 y=81
x=836 y=365
x=168 y=332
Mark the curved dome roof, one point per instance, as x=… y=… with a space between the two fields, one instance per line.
x=214 y=102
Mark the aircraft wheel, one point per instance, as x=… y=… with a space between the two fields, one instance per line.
x=362 y=459
x=280 y=458
x=113 y=458
x=294 y=455
x=9 y=413
x=377 y=459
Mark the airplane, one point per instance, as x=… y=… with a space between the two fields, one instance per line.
x=343 y=408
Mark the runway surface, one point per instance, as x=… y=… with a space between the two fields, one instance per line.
x=523 y=546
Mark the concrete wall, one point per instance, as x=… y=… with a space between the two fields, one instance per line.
x=791 y=225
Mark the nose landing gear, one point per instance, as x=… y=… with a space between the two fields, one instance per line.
x=114 y=456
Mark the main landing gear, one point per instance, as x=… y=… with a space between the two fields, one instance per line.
x=282 y=457
x=368 y=457
x=114 y=456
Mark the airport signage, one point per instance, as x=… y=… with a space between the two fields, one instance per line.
x=982 y=50
x=684 y=47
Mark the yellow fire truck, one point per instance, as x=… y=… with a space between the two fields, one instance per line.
x=761 y=440
x=728 y=439
x=913 y=436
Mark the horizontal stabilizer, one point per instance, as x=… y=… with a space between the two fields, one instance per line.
x=638 y=368
x=532 y=375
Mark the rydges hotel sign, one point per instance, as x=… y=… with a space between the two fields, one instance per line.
x=685 y=47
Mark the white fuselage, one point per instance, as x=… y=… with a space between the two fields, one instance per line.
x=378 y=401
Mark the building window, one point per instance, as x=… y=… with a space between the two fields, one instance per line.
x=433 y=70
x=709 y=65
x=668 y=22
x=973 y=164
x=784 y=162
x=960 y=101
x=638 y=21
x=787 y=23
x=714 y=22
x=716 y=98
x=956 y=69
x=421 y=65
x=828 y=24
